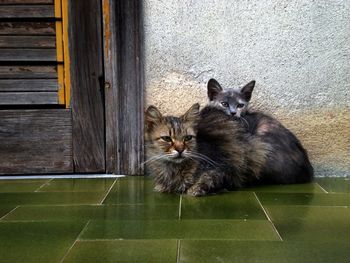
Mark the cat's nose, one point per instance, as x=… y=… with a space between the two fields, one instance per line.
x=233 y=113
x=179 y=148
x=180 y=152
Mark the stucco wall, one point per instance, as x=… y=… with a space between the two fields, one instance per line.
x=298 y=51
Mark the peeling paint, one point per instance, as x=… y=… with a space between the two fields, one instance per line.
x=106 y=27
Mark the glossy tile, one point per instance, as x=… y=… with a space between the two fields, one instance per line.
x=51 y=198
x=36 y=241
x=93 y=212
x=138 y=184
x=291 y=188
x=304 y=199
x=152 y=251
x=78 y=185
x=136 y=190
x=181 y=229
x=233 y=205
x=302 y=223
x=335 y=185
x=201 y=251
x=5 y=209
x=14 y=186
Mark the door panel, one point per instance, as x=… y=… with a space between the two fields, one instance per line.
x=35 y=141
x=86 y=81
x=43 y=129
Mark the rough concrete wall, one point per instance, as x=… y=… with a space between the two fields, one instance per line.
x=298 y=51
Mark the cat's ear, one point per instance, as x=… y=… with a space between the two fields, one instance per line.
x=214 y=89
x=153 y=117
x=192 y=114
x=247 y=90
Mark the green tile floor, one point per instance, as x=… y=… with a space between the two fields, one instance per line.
x=124 y=220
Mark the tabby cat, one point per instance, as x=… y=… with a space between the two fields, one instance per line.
x=201 y=152
x=287 y=162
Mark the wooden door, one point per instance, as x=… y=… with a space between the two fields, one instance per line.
x=51 y=87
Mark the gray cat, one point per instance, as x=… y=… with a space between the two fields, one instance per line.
x=287 y=161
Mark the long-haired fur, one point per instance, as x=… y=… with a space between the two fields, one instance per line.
x=222 y=156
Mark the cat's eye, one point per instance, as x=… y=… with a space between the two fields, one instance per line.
x=225 y=104
x=188 y=138
x=166 y=138
x=240 y=105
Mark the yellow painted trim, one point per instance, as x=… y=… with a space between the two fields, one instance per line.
x=61 y=86
x=66 y=58
x=59 y=41
x=58 y=9
x=106 y=26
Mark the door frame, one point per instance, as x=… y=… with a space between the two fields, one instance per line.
x=124 y=87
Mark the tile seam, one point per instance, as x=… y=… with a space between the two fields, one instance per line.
x=268 y=218
x=75 y=241
x=37 y=190
x=322 y=188
x=109 y=190
x=178 y=251
x=180 y=206
x=1 y=218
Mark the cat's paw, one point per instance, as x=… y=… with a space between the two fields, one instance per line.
x=196 y=191
x=159 y=188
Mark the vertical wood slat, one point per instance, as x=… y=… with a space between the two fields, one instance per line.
x=111 y=84
x=86 y=70
x=124 y=89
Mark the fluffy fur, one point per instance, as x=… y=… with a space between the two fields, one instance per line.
x=287 y=162
x=201 y=152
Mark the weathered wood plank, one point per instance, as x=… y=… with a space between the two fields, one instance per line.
x=35 y=141
x=44 y=55
x=8 y=2
x=86 y=72
x=27 y=41
x=27 y=11
x=111 y=84
x=28 y=72
x=124 y=97
x=28 y=98
x=27 y=28
x=28 y=85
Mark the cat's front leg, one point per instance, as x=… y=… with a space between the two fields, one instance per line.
x=208 y=182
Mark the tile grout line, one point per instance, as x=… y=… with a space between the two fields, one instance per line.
x=178 y=251
x=75 y=241
x=180 y=206
x=1 y=218
x=109 y=190
x=268 y=217
x=322 y=188
x=37 y=190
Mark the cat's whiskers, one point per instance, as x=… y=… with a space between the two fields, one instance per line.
x=156 y=158
x=202 y=157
